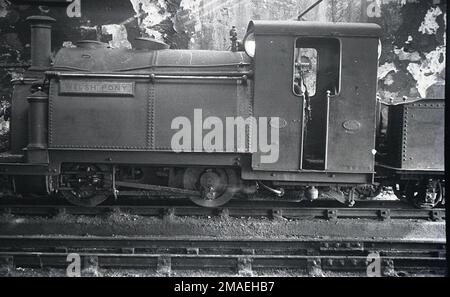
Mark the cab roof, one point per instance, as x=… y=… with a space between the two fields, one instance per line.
x=323 y=29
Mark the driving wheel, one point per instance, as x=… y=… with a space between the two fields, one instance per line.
x=83 y=186
x=216 y=186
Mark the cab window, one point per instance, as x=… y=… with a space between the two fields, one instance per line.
x=316 y=66
x=305 y=71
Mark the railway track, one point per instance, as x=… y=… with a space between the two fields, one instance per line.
x=379 y=210
x=233 y=256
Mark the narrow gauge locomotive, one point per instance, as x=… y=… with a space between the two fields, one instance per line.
x=95 y=122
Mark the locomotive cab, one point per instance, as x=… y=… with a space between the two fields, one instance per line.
x=321 y=80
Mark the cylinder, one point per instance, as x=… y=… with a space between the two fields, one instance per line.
x=37 y=120
x=41 y=42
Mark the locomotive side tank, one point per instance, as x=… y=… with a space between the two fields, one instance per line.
x=123 y=100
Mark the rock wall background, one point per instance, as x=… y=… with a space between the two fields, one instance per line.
x=412 y=62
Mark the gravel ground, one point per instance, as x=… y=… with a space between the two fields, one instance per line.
x=123 y=224
x=21 y=272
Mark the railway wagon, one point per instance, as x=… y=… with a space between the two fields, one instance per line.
x=292 y=107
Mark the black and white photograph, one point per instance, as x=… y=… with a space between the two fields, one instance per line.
x=223 y=145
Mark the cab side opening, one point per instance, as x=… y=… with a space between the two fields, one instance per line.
x=316 y=74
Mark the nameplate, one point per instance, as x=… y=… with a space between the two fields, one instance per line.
x=92 y=87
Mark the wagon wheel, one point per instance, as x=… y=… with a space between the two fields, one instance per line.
x=85 y=186
x=217 y=186
x=425 y=194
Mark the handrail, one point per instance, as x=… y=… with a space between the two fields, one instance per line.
x=242 y=76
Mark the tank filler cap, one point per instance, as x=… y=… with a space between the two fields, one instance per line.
x=149 y=44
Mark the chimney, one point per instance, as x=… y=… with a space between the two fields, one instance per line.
x=41 y=42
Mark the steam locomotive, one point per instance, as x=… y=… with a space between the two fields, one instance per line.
x=95 y=122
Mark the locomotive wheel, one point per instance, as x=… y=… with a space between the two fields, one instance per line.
x=217 y=186
x=425 y=194
x=83 y=197
x=86 y=188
